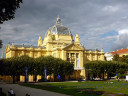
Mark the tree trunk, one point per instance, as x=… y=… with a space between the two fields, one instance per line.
x=103 y=75
x=107 y=76
x=13 y=77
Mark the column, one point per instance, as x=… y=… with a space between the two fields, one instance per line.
x=70 y=57
x=75 y=65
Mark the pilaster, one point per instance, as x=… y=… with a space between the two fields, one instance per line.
x=39 y=54
x=63 y=55
x=31 y=54
x=90 y=56
x=96 y=56
x=57 y=54
x=23 y=53
x=81 y=59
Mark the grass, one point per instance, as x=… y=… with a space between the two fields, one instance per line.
x=87 y=88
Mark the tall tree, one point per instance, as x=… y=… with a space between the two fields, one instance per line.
x=8 y=8
x=12 y=65
x=2 y=66
x=1 y=44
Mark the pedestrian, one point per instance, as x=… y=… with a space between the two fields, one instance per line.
x=11 y=92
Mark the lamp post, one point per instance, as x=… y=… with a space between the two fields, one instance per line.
x=45 y=73
x=26 y=74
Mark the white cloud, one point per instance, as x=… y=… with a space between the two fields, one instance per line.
x=111 y=8
x=89 y=18
x=122 y=40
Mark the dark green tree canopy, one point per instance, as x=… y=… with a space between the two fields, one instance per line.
x=8 y=8
x=1 y=44
x=116 y=57
x=97 y=68
x=14 y=66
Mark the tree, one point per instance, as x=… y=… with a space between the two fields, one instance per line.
x=8 y=8
x=15 y=66
x=97 y=68
x=54 y=66
x=124 y=58
x=2 y=66
x=12 y=65
x=116 y=57
x=1 y=44
x=26 y=61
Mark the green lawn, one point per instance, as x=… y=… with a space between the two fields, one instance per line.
x=87 y=88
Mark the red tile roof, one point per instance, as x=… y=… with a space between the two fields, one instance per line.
x=121 y=51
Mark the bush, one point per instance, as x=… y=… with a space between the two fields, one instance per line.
x=122 y=76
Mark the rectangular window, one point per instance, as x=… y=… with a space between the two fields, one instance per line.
x=77 y=55
x=67 y=55
x=72 y=54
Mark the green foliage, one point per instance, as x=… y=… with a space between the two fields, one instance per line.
x=15 y=66
x=124 y=58
x=54 y=65
x=8 y=8
x=2 y=67
x=97 y=68
x=116 y=57
x=1 y=44
x=122 y=76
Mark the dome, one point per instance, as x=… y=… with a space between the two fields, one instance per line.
x=58 y=28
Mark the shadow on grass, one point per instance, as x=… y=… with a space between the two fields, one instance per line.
x=64 y=90
x=73 y=90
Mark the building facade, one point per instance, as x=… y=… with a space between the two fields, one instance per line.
x=120 y=52
x=58 y=42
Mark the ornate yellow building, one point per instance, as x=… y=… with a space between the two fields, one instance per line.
x=58 y=42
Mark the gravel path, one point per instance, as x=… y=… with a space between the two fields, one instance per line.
x=22 y=91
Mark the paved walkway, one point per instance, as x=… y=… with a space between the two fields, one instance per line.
x=22 y=91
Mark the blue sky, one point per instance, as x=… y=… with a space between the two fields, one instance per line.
x=100 y=23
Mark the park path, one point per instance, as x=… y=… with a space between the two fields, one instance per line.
x=22 y=90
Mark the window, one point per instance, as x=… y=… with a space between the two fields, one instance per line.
x=67 y=55
x=72 y=54
x=77 y=55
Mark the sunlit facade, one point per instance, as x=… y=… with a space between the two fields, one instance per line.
x=58 y=42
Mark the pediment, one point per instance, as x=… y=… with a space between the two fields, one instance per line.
x=73 y=47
